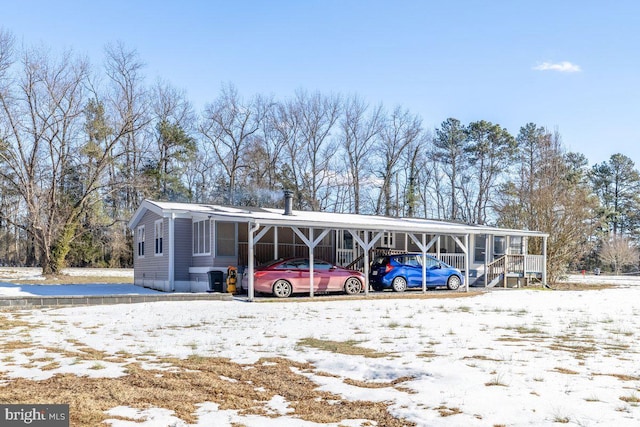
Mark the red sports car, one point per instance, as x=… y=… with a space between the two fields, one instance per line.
x=285 y=277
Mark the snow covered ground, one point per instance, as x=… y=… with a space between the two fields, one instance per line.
x=35 y=273
x=513 y=358
x=10 y=285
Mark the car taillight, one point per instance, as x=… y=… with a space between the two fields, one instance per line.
x=388 y=268
x=259 y=273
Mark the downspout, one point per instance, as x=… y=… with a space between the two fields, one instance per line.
x=172 y=269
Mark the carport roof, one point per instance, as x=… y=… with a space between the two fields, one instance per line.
x=303 y=219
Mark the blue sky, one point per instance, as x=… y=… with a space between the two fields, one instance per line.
x=570 y=65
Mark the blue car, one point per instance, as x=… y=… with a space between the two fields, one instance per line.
x=400 y=272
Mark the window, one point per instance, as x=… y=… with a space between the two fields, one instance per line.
x=479 y=247
x=499 y=245
x=515 y=245
x=347 y=240
x=388 y=239
x=225 y=239
x=158 y=234
x=140 y=240
x=202 y=237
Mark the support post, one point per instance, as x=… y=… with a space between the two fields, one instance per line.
x=424 y=247
x=424 y=263
x=467 y=262
x=311 y=247
x=171 y=249
x=250 y=254
x=252 y=240
x=486 y=260
x=544 y=261
x=311 y=244
x=275 y=243
x=366 y=263
x=366 y=246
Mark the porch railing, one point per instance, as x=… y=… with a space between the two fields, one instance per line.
x=454 y=260
x=515 y=265
x=496 y=272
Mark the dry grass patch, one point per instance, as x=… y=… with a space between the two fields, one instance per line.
x=375 y=384
x=621 y=377
x=572 y=286
x=7 y=323
x=50 y=366
x=427 y=354
x=632 y=398
x=15 y=345
x=565 y=371
x=197 y=380
x=482 y=357
x=496 y=381
x=445 y=411
x=576 y=349
x=349 y=347
x=506 y=338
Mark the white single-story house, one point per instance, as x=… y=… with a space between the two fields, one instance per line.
x=177 y=245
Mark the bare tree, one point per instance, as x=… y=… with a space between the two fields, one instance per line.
x=619 y=252
x=127 y=109
x=306 y=126
x=400 y=130
x=228 y=126
x=262 y=177
x=45 y=156
x=359 y=129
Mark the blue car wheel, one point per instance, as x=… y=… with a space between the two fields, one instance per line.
x=453 y=283
x=399 y=284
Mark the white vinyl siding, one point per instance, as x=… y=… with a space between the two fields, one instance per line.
x=202 y=237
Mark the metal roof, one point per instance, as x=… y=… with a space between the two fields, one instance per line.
x=275 y=217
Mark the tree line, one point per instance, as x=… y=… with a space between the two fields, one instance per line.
x=81 y=146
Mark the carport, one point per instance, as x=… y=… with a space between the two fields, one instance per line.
x=366 y=231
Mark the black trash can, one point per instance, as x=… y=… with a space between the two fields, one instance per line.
x=216 y=281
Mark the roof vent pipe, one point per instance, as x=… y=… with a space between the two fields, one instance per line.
x=288 y=202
